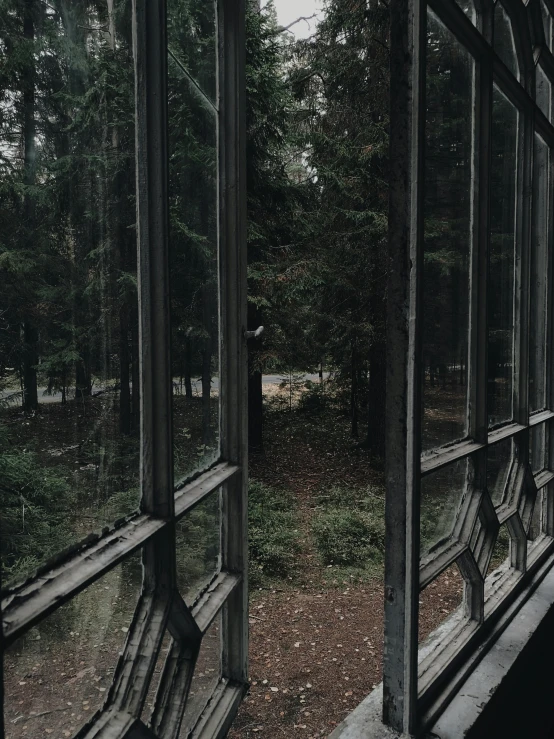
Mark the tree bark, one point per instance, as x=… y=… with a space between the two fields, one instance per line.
x=255 y=398
x=377 y=396
x=206 y=367
x=354 y=392
x=30 y=331
x=188 y=368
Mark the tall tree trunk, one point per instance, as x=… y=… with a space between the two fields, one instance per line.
x=188 y=368
x=124 y=385
x=83 y=374
x=377 y=395
x=206 y=366
x=30 y=361
x=255 y=398
x=354 y=391
x=135 y=378
x=30 y=331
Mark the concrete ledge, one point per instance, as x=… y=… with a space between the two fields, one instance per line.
x=510 y=693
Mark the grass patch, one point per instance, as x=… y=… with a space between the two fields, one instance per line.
x=274 y=538
x=349 y=531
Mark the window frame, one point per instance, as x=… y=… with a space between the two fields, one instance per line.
x=417 y=684
x=152 y=528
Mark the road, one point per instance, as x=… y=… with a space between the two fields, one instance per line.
x=15 y=397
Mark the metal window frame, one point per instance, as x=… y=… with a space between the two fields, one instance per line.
x=418 y=683
x=152 y=529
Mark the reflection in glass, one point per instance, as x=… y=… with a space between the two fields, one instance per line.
x=194 y=273
x=206 y=676
x=501 y=259
x=192 y=40
x=504 y=43
x=539 y=272
x=547 y=24
x=538 y=440
x=448 y=236
x=468 y=6
x=501 y=549
x=535 y=528
x=439 y=600
x=199 y=547
x=442 y=494
x=499 y=461
x=543 y=91
x=69 y=359
x=60 y=672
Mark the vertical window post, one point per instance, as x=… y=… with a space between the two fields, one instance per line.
x=403 y=431
x=232 y=144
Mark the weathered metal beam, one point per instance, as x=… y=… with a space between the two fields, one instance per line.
x=232 y=263
x=403 y=428
x=213 y=599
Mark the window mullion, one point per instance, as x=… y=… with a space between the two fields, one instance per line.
x=153 y=273
x=232 y=277
x=404 y=365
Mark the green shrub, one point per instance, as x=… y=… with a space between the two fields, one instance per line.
x=274 y=541
x=351 y=529
x=36 y=504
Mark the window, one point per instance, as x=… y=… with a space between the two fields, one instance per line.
x=121 y=157
x=470 y=474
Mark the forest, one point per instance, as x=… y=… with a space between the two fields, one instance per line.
x=317 y=178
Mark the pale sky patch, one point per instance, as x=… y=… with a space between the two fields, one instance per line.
x=289 y=10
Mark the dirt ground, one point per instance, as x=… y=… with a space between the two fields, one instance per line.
x=316 y=646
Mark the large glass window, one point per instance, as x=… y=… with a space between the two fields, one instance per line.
x=470 y=433
x=122 y=306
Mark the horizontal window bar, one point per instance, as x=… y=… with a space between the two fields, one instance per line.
x=211 y=602
x=540 y=417
x=433 y=565
x=504 y=432
x=543 y=478
x=193 y=493
x=26 y=605
x=447 y=455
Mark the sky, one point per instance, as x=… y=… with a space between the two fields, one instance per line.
x=289 y=10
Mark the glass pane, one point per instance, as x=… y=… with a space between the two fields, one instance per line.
x=535 y=529
x=192 y=40
x=539 y=272
x=468 y=6
x=543 y=92
x=60 y=672
x=501 y=550
x=547 y=24
x=442 y=494
x=199 y=547
x=499 y=461
x=448 y=234
x=504 y=43
x=194 y=275
x=439 y=600
x=501 y=259
x=69 y=354
x=206 y=677
x=538 y=439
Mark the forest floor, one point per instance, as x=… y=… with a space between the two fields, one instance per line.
x=315 y=628
x=316 y=637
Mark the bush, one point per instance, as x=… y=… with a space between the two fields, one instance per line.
x=36 y=505
x=351 y=529
x=273 y=537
